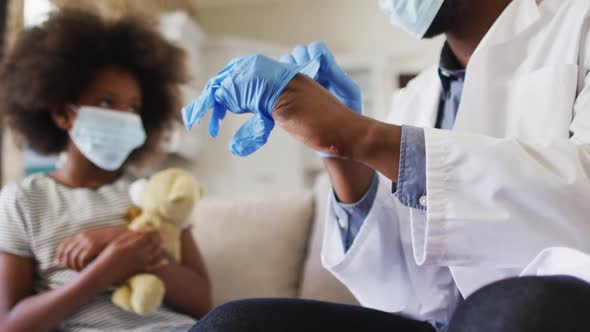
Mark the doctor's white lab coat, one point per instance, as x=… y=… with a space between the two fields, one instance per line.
x=510 y=180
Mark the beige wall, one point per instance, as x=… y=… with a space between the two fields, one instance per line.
x=118 y=7
x=12 y=164
x=348 y=26
x=15 y=21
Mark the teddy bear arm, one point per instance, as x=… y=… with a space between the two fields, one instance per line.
x=145 y=221
x=171 y=236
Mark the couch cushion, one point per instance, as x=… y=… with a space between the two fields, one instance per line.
x=254 y=247
x=317 y=282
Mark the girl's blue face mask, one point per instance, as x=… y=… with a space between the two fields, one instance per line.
x=414 y=16
x=107 y=137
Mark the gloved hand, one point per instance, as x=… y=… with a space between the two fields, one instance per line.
x=250 y=84
x=330 y=75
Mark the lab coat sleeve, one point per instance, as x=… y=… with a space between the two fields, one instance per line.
x=379 y=268
x=386 y=276
x=499 y=202
x=410 y=187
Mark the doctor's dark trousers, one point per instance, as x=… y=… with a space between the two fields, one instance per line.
x=539 y=304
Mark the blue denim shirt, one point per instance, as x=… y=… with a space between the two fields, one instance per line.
x=411 y=185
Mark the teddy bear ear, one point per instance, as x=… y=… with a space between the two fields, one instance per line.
x=136 y=192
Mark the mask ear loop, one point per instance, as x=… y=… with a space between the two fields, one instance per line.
x=76 y=109
x=63 y=156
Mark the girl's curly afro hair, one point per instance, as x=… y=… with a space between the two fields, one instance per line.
x=52 y=63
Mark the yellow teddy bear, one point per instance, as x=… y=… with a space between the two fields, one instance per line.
x=166 y=201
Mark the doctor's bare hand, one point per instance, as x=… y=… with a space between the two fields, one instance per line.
x=131 y=253
x=313 y=115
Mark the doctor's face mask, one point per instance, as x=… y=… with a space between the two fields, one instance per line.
x=424 y=18
x=414 y=16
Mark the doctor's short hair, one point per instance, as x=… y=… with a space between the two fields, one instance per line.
x=51 y=64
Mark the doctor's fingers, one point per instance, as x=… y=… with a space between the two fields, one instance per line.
x=248 y=138
x=217 y=115
x=319 y=49
x=196 y=110
x=301 y=54
x=288 y=58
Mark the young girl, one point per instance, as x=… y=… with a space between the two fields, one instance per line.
x=102 y=91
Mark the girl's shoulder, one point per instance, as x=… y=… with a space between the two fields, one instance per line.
x=42 y=185
x=35 y=183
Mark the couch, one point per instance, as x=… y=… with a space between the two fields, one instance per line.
x=267 y=247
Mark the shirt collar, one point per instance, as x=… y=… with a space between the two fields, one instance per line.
x=449 y=67
x=449 y=64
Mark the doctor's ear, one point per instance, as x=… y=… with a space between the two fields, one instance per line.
x=63 y=116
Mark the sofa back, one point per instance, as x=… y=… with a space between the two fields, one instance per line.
x=267 y=247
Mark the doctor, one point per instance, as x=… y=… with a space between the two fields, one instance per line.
x=484 y=165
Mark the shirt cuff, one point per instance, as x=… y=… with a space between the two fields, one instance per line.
x=411 y=185
x=350 y=217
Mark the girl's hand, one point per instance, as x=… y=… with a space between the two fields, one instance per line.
x=131 y=253
x=77 y=251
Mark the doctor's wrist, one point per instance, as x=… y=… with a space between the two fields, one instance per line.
x=379 y=148
x=350 y=180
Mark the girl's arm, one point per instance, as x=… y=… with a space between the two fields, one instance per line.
x=21 y=310
x=187 y=282
x=77 y=251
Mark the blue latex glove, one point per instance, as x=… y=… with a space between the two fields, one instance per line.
x=330 y=75
x=250 y=84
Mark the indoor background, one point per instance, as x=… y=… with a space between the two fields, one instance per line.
x=215 y=31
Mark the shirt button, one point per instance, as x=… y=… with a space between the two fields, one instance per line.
x=423 y=201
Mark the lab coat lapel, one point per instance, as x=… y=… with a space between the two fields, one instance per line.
x=417 y=105
x=421 y=98
x=518 y=17
x=491 y=70
x=495 y=73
